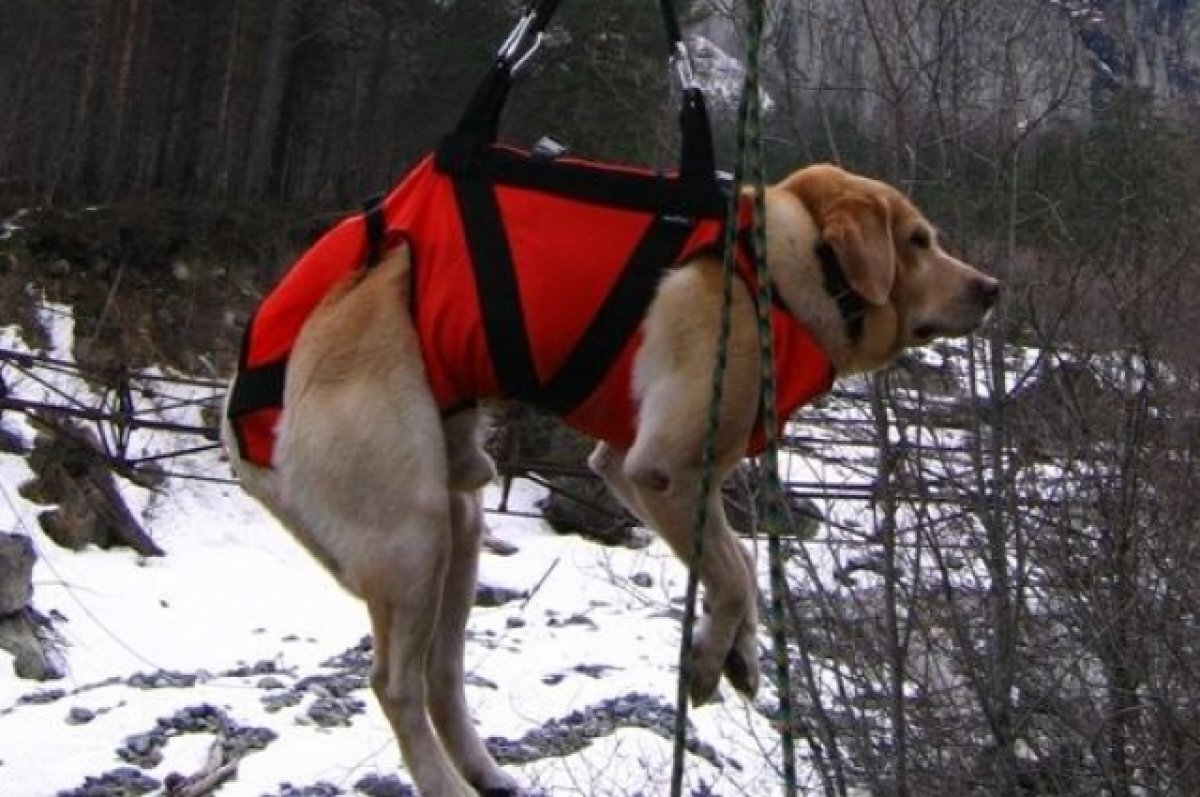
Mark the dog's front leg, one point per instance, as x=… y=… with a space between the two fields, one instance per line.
x=726 y=638
x=662 y=470
x=730 y=590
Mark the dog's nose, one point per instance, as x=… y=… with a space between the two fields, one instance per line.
x=987 y=291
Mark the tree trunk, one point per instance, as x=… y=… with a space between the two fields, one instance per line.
x=260 y=164
x=223 y=140
x=122 y=96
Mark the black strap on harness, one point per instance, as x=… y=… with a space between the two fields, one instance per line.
x=496 y=283
x=477 y=164
x=469 y=148
x=259 y=387
x=376 y=226
x=255 y=388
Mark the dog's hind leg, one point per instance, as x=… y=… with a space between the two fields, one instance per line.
x=360 y=458
x=403 y=598
x=445 y=673
x=470 y=468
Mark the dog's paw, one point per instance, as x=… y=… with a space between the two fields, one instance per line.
x=742 y=670
x=704 y=674
x=497 y=784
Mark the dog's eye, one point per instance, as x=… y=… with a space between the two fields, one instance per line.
x=920 y=238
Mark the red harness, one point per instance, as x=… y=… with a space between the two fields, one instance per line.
x=518 y=293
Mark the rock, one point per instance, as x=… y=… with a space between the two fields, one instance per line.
x=569 y=734
x=643 y=580
x=493 y=544
x=74 y=474
x=78 y=715
x=582 y=505
x=121 y=782
x=335 y=712
x=490 y=596
x=593 y=670
x=384 y=786
x=16 y=573
x=42 y=697
x=162 y=679
x=10 y=441
x=28 y=636
x=318 y=789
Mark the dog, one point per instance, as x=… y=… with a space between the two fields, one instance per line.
x=383 y=487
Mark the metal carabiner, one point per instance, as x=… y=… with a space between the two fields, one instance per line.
x=681 y=60
x=516 y=50
x=512 y=43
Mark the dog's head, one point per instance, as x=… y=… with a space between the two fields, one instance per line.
x=883 y=264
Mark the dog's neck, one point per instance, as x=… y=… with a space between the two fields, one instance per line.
x=851 y=305
x=809 y=282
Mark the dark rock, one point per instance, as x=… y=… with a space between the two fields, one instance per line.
x=162 y=679
x=10 y=441
x=497 y=546
x=122 y=782
x=143 y=750
x=560 y=737
x=583 y=505
x=16 y=572
x=74 y=474
x=36 y=649
x=335 y=712
x=384 y=786
x=530 y=443
x=643 y=580
x=472 y=679
x=593 y=670
x=79 y=715
x=41 y=698
x=575 y=619
x=490 y=596
x=319 y=789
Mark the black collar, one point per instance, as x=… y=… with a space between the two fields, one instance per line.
x=851 y=305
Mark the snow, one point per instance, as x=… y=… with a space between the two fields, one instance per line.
x=235 y=590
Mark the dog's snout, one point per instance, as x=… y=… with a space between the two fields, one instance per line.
x=987 y=291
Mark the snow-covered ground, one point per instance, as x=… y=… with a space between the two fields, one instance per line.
x=237 y=617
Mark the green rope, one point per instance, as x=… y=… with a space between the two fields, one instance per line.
x=749 y=156
x=776 y=516
x=776 y=513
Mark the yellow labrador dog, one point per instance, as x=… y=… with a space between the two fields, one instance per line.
x=385 y=491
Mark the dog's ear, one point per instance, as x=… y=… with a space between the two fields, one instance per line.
x=857 y=227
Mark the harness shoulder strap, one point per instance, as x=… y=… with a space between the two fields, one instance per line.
x=496 y=284
x=604 y=339
x=376 y=227
x=620 y=316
